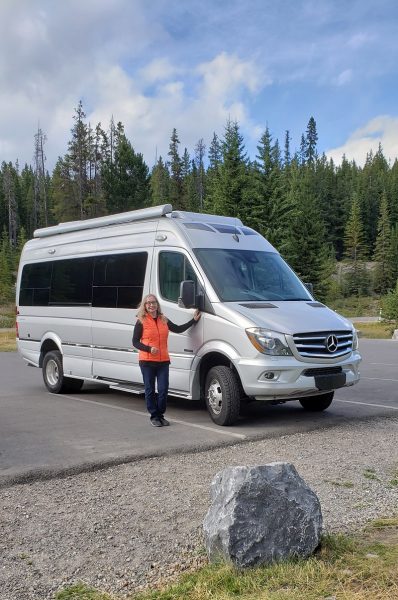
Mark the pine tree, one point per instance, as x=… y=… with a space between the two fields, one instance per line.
x=231 y=176
x=213 y=173
x=200 y=174
x=125 y=179
x=64 y=199
x=346 y=183
x=10 y=185
x=372 y=185
x=176 y=178
x=6 y=291
x=304 y=244
x=77 y=158
x=383 y=278
x=356 y=280
x=160 y=184
x=311 y=139
x=286 y=156
x=268 y=209
x=393 y=254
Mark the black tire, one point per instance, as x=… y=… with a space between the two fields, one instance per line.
x=53 y=375
x=317 y=403
x=222 y=394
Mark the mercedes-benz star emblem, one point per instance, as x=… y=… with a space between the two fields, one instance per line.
x=331 y=343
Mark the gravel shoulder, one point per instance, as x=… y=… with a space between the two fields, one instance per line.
x=141 y=523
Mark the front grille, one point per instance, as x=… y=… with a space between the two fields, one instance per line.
x=322 y=371
x=323 y=344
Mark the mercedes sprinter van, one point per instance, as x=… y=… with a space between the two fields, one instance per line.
x=262 y=336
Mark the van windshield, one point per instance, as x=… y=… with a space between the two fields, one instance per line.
x=244 y=275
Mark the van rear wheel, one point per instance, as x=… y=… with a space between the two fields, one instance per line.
x=317 y=403
x=222 y=395
x=53 y=375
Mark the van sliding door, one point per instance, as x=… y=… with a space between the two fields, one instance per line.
x=118 y=284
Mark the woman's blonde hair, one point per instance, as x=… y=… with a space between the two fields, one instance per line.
x=142 y=311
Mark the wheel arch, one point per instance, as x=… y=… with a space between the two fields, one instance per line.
x=209 y=360
x=48 y=343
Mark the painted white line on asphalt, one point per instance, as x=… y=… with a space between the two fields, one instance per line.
x=378 y=379
x=141 y=413
x=384 y=364
x=367 y=404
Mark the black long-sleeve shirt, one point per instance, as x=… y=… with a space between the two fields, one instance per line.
x=138 y=331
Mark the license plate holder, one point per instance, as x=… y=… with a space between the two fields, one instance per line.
x=330 y=382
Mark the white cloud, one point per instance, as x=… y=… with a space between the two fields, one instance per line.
x=159 y=69
x=195 y=110
x=380 y=130
x=344 y=77
x=228 y=73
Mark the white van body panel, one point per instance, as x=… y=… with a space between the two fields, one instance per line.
x=96 y=341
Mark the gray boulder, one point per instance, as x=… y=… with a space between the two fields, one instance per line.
x=260 y=515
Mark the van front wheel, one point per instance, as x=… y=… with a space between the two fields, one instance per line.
x=222 y=395
x=317 y=403
x=53 y=375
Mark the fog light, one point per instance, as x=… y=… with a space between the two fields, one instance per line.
x=269 y=375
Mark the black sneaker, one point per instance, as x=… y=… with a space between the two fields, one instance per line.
x=164 y=421
x=156 y=422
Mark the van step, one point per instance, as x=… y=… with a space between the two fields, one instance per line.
x=137 y=388
x=125 y=387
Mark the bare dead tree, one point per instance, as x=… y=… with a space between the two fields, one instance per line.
x=200 y=150
x=40 y=193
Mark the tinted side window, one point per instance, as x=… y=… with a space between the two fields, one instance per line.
x=119 y=280
x=173 y=268
x=72 y=281
x=35 y=284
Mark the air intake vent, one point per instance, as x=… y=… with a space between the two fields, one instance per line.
x=323 y=344
x=316 y=304
x=322 y=371
x=259 y=305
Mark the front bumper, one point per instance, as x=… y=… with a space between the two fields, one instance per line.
x=289 y=379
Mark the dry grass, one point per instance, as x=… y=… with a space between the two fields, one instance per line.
x=380 y=330
x=7 y=341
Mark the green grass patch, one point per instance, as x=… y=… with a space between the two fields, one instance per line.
x=380 y=330
x=370 y=474
x=7 y=315
x=345 y=484
x=353 y=306
x=7 y=341
x=360 y=567
x=82 y=592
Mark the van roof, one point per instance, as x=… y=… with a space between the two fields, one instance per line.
x=143 y=214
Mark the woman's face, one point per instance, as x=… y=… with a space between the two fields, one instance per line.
x=151 y=306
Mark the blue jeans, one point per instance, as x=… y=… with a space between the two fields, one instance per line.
x=156 y=403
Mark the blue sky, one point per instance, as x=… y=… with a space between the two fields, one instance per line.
x=192 y=65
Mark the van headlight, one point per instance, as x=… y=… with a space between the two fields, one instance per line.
x=268 y=342
x=355 y=342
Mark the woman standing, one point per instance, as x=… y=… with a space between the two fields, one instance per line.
x=150 y=337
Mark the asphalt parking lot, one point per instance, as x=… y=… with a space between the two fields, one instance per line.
x=43 y=435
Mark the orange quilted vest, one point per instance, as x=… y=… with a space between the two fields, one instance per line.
x=155 y=333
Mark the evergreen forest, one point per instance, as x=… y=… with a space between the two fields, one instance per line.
x=336 y=225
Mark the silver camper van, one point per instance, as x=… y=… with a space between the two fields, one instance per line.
x=262 y=336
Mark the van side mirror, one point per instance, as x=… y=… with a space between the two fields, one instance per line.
x=310 y=288
x=187 y=294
